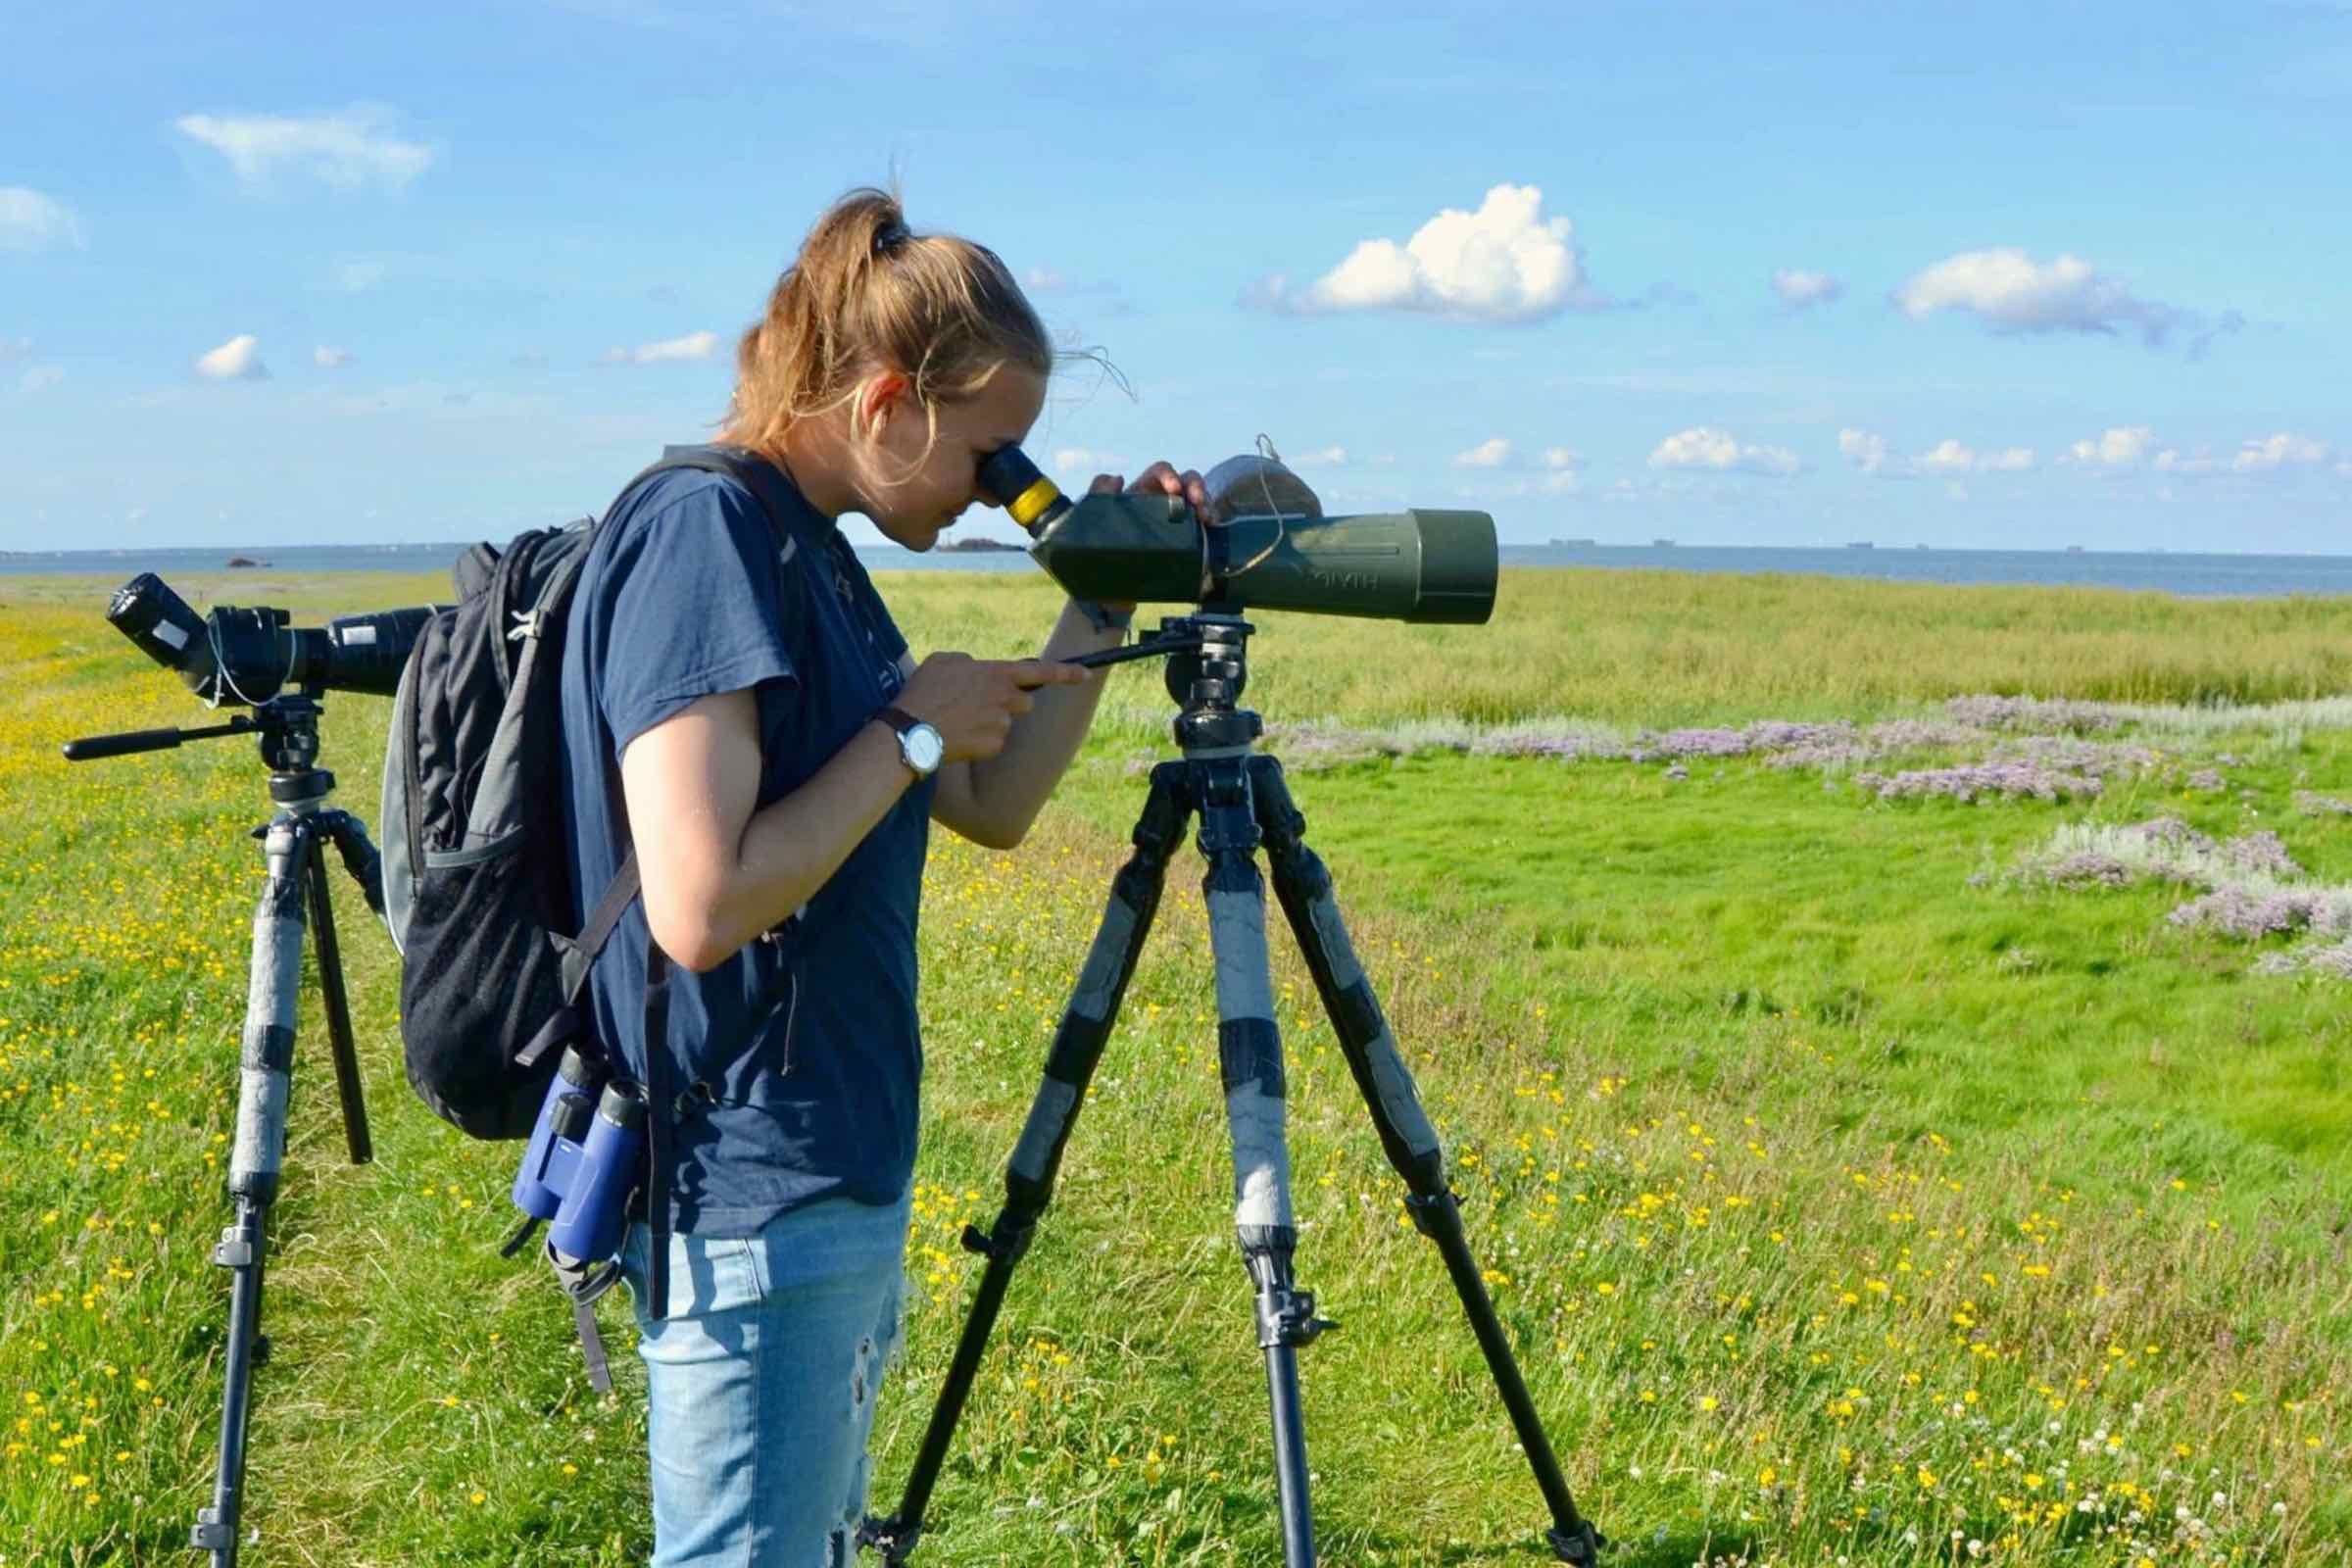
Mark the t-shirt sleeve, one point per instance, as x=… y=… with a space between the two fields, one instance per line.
x=695 y=606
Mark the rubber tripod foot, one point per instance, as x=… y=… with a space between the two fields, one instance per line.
x=1580 y=1544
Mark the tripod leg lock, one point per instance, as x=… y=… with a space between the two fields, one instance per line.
x=893 y=1539
x=210 y=1534
x=1007 y=1248
x=1288 y=1318
x=234 y=1250
x=1580 y=1545
x=1425 y=1210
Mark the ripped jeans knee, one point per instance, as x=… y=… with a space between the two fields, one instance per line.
x=762 y=1381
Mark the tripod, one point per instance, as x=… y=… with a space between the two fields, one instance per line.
x=293 y=845
x=1242 y=801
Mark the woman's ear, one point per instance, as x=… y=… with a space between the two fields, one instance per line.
x=879 y=396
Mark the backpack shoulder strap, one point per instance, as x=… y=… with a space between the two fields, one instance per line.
x=747 y=469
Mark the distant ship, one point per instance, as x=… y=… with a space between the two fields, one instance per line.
x=1918 y=547
x=1662 y=544
x=1860 y=544
x=2074 y=549
x=1572 y=544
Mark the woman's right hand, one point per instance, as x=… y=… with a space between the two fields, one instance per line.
x=973 y=701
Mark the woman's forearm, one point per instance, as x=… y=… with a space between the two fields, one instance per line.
x=792 y=847
x=1012 y=786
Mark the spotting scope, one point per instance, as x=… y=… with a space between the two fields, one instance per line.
x=248 y=656
x=1266 y=546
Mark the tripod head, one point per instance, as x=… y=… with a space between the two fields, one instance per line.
x=1208 y=665
x=287 y=727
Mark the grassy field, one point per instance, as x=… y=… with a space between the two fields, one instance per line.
x=1861 y=1179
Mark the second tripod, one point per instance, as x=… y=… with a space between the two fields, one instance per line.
x=1243 y=803
x=294 y=898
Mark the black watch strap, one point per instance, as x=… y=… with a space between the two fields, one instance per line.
x=897 y=718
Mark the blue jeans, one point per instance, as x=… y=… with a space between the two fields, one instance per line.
x=761 y=1383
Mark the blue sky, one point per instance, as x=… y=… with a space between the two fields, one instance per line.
x=1984 y=276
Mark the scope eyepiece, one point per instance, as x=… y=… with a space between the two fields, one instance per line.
x=1010 y=479
x=146 y=610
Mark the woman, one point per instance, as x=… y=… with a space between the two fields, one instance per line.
x=740 y=707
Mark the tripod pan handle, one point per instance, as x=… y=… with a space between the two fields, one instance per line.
x=92 y=747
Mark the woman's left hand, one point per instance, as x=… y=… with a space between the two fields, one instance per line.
x=1159 y=479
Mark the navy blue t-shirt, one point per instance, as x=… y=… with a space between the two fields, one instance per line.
x=803 y=1045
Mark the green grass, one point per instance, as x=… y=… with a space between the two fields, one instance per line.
x=1820 y=1162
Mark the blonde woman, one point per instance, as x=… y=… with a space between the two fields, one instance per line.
x=740 y=708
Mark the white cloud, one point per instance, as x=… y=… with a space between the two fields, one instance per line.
x=14 y=347
x=32 y=221
x=2186 y=465
x=1867 y=450
x=1045 y=281
x=1799 y=289
x=2119 y=448
x=1950 y=457
x=2277 y=451
x=1557 y=457
x=344 y=149
x=1079 y=460
x=1491 y=453
x=1503 y=263
x=2011 y=292
x=2261 y=454
x=238 y=360
x=1320 y=458
x=358 y=277
x=40 y=377
x=328 y=359
x=1705 y=446
x=669 y=350
x=1947 y=457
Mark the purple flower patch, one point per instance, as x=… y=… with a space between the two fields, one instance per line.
x=2246 y=914
x=2032 y=713
x=2089 y=868
x=2260 y=854
x=1973 y=782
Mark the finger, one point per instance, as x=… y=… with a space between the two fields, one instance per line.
x=1158 y=479
x=1196 y=490
x=1021 y=702
x=1031 y=673
x=1104 y=484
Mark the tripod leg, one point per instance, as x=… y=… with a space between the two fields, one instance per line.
x=1250 y=1062
x=264 y=1065
x=338 y=1008
x=1029 y=1176
x=1305 y=886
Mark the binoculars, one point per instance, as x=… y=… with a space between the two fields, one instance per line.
x=586 y=1153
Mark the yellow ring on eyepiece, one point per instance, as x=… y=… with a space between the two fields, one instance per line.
x=1031 y=503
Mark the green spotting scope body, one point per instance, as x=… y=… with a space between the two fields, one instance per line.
x=1417 y=565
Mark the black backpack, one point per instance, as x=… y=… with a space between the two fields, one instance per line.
x=477 y=882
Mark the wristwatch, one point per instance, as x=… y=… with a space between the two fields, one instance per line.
x=919 y=744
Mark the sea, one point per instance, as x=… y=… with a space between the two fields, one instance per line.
x=2161 y=572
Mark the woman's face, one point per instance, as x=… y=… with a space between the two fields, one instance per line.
x=913 y=496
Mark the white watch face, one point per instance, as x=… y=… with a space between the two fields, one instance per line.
x=923 y=747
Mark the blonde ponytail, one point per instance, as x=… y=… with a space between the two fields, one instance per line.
x=866 y=292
